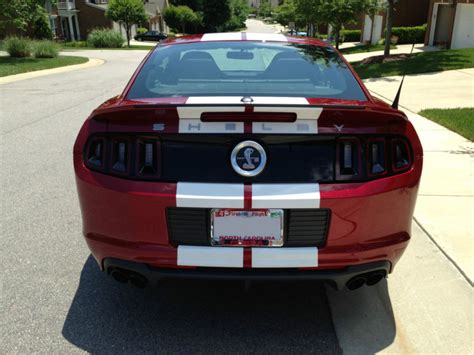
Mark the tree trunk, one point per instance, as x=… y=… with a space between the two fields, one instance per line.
x=372 y=18
x=128 y=33
x=388 y=32
x=337 y=31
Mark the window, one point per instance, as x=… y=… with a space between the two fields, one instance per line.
x=245 y=69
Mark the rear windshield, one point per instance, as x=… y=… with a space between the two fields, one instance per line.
x=245 y=69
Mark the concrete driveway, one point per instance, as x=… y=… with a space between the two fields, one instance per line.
x=54 y=299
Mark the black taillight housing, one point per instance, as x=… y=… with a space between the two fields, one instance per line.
x=362 y=158
x=401 y=155
x=124 y=155
x=148 y=153
x=377 y=156
x=95 y=153
x=348 y=163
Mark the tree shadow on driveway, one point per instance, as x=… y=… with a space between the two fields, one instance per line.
x=199 y=317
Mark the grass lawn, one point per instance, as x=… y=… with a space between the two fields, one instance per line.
x=459 y=120
x=10 y=66
x=419 y=63
x=364 y=48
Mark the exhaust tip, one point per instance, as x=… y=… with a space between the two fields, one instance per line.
x=356 y=282
x=119 y=276
x=138 y=281
x=375 y=278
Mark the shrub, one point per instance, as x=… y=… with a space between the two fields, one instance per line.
x=40 y=28
x=45 y=49
x=409 y=35
x=18 y=47
x=104 y=38
x=351 y=35
x=141 y=30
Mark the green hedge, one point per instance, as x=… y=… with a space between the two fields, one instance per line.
x=351 y=35
x=409 y=35
x=18 y=47
x=45 y=49
x=104 y=38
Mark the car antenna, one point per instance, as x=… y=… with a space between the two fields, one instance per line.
x=397 y=97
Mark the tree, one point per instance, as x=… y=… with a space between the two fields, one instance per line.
x=264 y=9
x=28 y=17
x=127 y=13
x=311 y=12
x=338 y=12
x=388 y=31
x=180 y=17
x=285 y=13
x=240 y=10
x=215 y=14
x=373 y=8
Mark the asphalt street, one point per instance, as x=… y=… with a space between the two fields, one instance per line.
x=54 y=298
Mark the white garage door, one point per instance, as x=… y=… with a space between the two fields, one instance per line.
x=463 y=32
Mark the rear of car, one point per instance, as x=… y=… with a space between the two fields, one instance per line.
x=247 y=156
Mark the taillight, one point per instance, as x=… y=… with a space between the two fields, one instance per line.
x=95 y=153
x=124 y=156
x=147 y=158
x=120 y=156
x=377 y=157
x=364 y=158
x=348 y=158
x=401 y=157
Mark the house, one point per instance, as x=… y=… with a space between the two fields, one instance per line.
x=408 y=13
x=74 y=19
x=450 y=24
x=256 y=3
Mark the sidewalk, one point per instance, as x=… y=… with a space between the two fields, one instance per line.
x=401 y=48
x=445 y=206
x=448 y=89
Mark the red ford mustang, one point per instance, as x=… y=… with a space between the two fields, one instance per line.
x=247 y=156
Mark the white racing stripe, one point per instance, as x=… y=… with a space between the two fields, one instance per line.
x=297 y=127
x=226 y=36
x=284 y=257
x=285 y=196
x=257 y=100
x=190 y=120
x=209 y=195
x=239 y=36
x=272 y=37
x=302 y=113
x=196 y=126
x=210 y=256
x=306 y=121
x=195 y=112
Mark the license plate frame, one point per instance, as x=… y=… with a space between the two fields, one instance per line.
x=252 y=233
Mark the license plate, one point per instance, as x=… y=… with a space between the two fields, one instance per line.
x=263 y=228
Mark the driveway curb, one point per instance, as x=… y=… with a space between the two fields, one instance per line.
x=92 y=62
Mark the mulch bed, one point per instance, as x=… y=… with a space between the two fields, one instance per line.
x=381 y=59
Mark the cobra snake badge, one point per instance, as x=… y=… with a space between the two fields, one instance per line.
x=248 y=158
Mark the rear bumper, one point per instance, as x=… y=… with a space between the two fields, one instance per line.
x=336 y=278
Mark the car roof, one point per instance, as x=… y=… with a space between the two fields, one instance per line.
x=246 y=36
